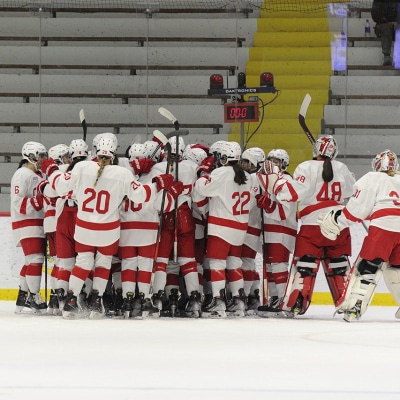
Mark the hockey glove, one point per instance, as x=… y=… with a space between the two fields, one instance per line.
x=265 y=202
x=37 y=202
x=176 y=189
x=49 y=166
x=206 y=166
x=329 y=225
x=142 y=165
x=163 y=181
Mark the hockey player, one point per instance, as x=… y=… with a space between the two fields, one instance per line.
x=319 y=185
x=376 y=197
x=99 y=188
x=139 y=225
x=251 y=161
x=177 y=228
x=231 y=197
x=27 y=224
x=280 y=230
x=60 y=155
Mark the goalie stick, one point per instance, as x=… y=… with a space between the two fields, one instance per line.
x=83 y=123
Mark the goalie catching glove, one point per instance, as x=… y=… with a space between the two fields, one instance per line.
x=271 y=178
x=329 y=225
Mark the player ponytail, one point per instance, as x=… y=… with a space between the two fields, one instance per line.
x=103 y=161
x=240 y=176
x=327 y=170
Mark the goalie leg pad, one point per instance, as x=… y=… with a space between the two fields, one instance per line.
x=391 y=275
x=337 y=272
x=360 y=290
x=300 y=286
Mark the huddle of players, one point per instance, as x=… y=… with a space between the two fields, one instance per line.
x=196 y=257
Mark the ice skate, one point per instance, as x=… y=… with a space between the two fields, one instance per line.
x=157 y=299
x=38 y=306
x=60 y=293
x=193 y=305
x=237 y=306
x=95 y=306
x=54 y=306
x=83 y=304
x=137 y=307
x=354 y=313
x=171 y=308
x=148 y=309
x=127 y=305
x=216 y=308
x=118 y=301
x=22 y=301
x=253 y=302
x=70 y=309
x=271 y=310
x=108 y=304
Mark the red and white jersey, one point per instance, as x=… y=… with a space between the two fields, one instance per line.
x=139 y=222
x=376 y=196
x=51 y=214
x=26 y=221
x=280 y=221
x=229 y=204
x=316 y=196
x=186 y=174
x=98 y=220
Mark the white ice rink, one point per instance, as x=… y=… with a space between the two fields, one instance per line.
x=314 y=357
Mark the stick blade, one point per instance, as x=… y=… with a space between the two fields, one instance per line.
x=304 y=105
x=160 y=136
x=82 y=116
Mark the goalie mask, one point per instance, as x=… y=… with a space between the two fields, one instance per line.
x=385 y=161
x=325 y=147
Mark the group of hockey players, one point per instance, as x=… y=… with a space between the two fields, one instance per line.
x=174 y=230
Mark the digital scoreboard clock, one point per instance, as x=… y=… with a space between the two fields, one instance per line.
x=240 y=112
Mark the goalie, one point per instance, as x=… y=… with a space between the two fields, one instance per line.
x=376 y=197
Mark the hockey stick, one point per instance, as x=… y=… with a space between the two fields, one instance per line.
x=264 y=284
x=176 y=202
x=83 y=123
x=302 y=118
x=171 y=117
x=168 y=136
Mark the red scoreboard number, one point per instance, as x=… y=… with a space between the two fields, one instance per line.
x=240 y=112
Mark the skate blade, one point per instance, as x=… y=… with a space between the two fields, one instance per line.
x=192 y=314
x=22 y=309
x=37 y=312
x=69 y=315
x=96 y=315
x=56 y=312
x=273 y=314
x=214 y=314
x=147 y=315
x=350 y=317
x=235 y=314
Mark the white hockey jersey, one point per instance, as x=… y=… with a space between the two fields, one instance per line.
x=229 y=204
x=98 y=220
x=376 y=197
x=316 y=196
x=26 y=221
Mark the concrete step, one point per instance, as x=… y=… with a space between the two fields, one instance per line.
x=305 y=24
x=290 y=67
x=290 y=53
x=290 y=82
x=385 y=85
x=292 y=39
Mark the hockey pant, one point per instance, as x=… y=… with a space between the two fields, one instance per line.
x=364 y=276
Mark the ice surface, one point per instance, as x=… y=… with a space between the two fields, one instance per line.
x=316 y=356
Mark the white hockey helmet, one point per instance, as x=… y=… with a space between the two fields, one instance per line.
x=152 y=149
x=195 y=154
x=181 y=145
x=326 y=147
x=106 y=147
x=255 y=155
x=31 y=151
x=215 y=148
x=78 y=148
x=231 y=151
x=137 y=150
x=58 y=152
x=281 y=155
x=99 y=136
x=385 y=161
